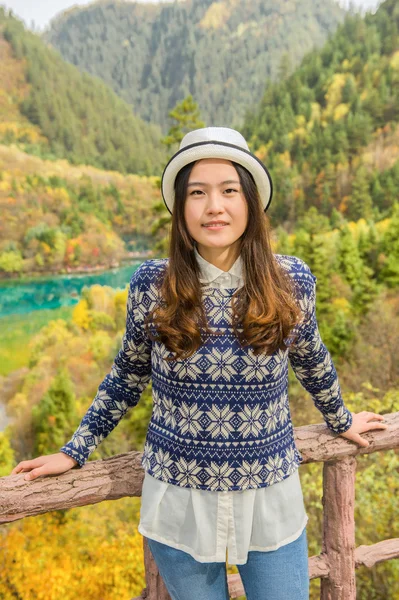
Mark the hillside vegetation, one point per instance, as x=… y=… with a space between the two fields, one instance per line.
x=52 y=109
x=329 y=132
x=57 y=217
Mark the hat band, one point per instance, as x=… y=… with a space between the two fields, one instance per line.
x=211 y=142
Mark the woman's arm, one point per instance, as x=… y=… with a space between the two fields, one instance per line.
x=314 y=368
x=122 y=386
x=312 y=362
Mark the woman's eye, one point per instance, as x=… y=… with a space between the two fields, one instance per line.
x=229 y=190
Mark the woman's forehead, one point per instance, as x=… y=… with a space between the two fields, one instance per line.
x=212 y=166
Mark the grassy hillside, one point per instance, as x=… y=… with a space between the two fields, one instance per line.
x=52 y=109
x=154 y=55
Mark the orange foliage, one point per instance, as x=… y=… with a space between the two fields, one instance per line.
x=343 y=205
x=96 y=553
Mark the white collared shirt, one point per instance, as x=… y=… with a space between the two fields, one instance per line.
x=207 y=524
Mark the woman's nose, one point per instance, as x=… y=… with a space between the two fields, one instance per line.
x=215 y=200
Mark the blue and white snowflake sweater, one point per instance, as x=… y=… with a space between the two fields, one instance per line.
x=220 y=418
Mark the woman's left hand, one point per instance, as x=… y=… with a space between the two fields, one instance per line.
x=361 y=422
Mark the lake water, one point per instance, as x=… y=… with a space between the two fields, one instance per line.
x=59 y=290
x=55 y=291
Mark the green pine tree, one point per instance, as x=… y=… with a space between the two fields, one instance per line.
x=361 y=203
x=355 y=272
x=186 y=115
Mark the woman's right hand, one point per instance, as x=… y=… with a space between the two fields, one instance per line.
x=51 y=464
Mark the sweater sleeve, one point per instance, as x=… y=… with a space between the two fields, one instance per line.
x=122 y=386
x=312 y=362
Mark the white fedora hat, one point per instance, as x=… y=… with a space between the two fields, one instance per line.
x=215 y=142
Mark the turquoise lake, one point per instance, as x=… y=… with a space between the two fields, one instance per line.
x=59 y=290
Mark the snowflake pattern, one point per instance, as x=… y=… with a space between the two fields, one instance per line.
x=190 y=419
x=251 y=424
x=220 y=418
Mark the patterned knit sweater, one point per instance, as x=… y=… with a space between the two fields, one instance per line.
x=220 y=418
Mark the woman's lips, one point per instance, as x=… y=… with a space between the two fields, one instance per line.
x=212 y=227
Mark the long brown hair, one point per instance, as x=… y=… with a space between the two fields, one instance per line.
x=264 y=307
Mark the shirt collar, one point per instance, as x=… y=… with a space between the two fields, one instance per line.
x=210 y=272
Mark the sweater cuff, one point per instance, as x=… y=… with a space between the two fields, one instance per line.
x=73 y=454
x=340 y=421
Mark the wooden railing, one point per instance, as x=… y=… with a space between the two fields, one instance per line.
x=122 y=475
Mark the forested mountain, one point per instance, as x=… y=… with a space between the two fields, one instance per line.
x=330 y=131
x=52 y=109
x=154 y=55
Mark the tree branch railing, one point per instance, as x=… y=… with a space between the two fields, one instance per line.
x=122 y=475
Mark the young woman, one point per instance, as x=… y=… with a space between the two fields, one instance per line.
x=214 y=327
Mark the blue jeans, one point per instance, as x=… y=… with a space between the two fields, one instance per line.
x=280 y=574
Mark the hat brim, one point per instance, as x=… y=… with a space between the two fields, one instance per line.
x=216 y=149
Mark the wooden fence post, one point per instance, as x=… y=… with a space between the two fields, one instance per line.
x=339 y=529
x=155 y=587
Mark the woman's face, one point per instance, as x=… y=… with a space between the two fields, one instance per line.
x=214 y=193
